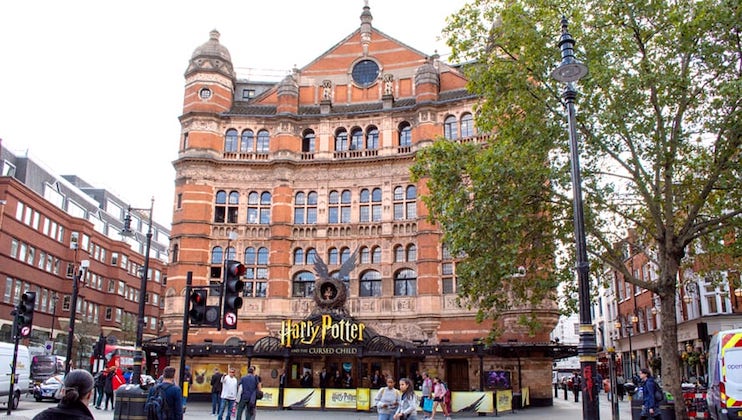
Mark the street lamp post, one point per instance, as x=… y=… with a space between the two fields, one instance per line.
x=76 y=279
x=55 y=298
x=570 y=70
x=126 y=231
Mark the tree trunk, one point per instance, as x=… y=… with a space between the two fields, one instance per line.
x=672 y=373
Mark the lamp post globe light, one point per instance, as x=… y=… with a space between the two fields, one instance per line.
x=130 y=398
x=570 y=70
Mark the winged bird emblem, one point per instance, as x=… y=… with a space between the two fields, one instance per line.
x=330 y=293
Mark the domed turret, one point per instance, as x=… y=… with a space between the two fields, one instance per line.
x=211 y=57
x=427 y=82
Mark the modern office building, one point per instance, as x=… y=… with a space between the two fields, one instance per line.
x=311 y=174
x=54 y=229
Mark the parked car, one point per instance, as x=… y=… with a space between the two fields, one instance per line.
x=49 y=388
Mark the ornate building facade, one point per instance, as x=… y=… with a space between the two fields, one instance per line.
x=316 y=167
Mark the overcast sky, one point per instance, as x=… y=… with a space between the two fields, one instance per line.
x=95 y=88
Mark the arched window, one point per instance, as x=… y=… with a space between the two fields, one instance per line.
x=370 y=284
x=174 y=255
x=451 y=128
x=259 y=208
x=365 y=255
x=247 y=144
x=233 y=206
x=341 y=140
x=405 y=204
x=307 y=142
x=338 y=207
x=405 y=283
x=298 y=256
x=448 y=271
x=230 y=141
x=372 y=138
x=332 y=256
x=399 y=253
x=411 y=253
x=303 y=284
x=344 y=255
x=376 y=255
x=217 y=255
x=256 y=273
x=405 y=134
x=263 y=141
x=231 y=253
x=311 y=256
x=356 y=139
x=370 y=205
x=467 y=125
x=220 y=206
x=305 y=208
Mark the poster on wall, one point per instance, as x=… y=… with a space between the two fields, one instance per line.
x=472 y=402
x=497 y=379
x=202 y=372
x=504 y=400
x=302 y=397
x=340 y=398
x=270 y=398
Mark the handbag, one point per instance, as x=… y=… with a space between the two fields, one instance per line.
x=427 y=404
x=258 y=395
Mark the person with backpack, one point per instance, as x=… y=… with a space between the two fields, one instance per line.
x=100 y=384
x=652 y=395
x=387 y=400
x=164 y=401
x=248 y=390
x=216 y=391
x=76 y=395
x=407 y=409
x=439 y=398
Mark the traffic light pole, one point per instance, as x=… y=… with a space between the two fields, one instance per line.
x=186 y=323
x=16 y=339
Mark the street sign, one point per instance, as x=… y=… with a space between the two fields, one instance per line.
x=230 y=319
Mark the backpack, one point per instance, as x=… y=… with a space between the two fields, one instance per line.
x=659 y=394
x=156 y=407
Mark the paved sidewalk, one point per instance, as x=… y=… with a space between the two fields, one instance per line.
x=561 y=410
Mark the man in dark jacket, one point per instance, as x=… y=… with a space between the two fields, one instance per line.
x=249 y=387
x=216 y=391
x=173 y=394
x=650 y=405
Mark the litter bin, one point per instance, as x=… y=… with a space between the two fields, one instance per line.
x=517 y=400
x=667 y=410
x=130 y=401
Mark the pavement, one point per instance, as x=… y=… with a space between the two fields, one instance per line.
x=561 y=410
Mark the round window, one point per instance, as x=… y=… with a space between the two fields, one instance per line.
x=365 y=72
x=205 y=93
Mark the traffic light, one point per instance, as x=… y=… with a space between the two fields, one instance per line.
x=24 y=313
x=197 y=312
x=233 y=286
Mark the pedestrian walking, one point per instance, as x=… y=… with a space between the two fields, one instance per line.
x=650 y=405
x=249 y=387
x=76 y=395
x=172 y=395
x=387 y=400
x=439 y=398
x=100 y=384
x=407 y=409
x=427 y=392
x=229 y=394
x=282 y=385
x=216 y=391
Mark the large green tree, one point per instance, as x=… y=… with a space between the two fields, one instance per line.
x=659 y=124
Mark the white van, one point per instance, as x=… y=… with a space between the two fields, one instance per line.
x=22 y=371
x=724 y=395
